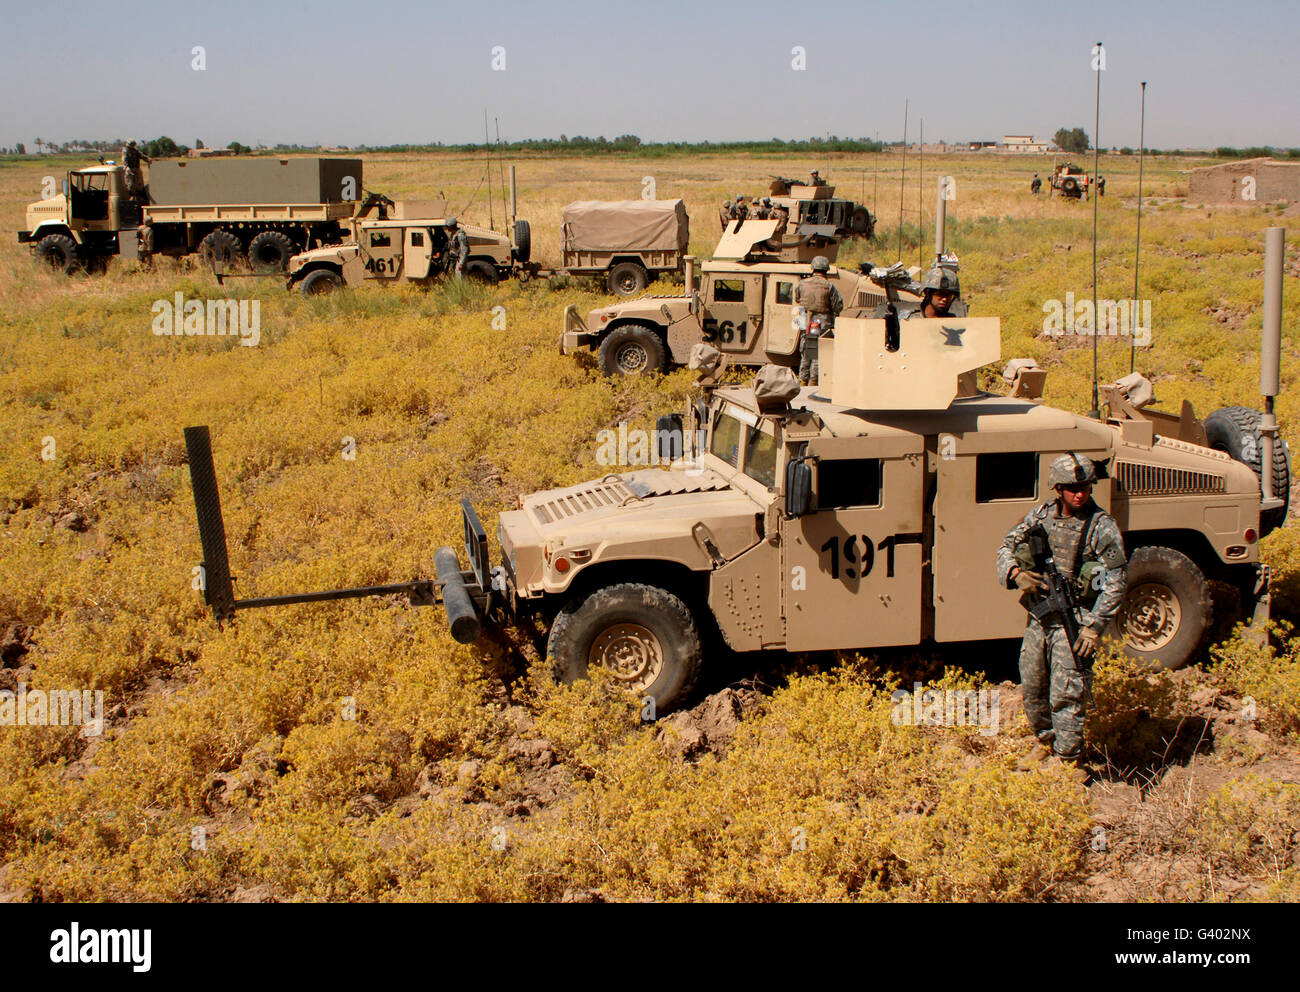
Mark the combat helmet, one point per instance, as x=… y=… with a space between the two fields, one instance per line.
x=941 y=280
x=1072 y=470
x=821 y=264
x=452 y=222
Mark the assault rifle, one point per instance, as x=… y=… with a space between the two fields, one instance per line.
x=1058 y=603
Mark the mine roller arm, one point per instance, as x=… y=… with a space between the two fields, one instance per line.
x=466 y=595
x=576 y=333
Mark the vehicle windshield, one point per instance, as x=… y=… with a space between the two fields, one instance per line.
x=90 y=180
x=760 y=457
x=725 y=443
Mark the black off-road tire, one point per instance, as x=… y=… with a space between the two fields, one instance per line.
x=647 y=635
x=1235 y=431
x=862 y=223
x=59 y=252
x=270 y=252
x=523 y=242
x=481 y=271
x=1168 y=607
x=628 y=278
x=220 y=244
x=320 y=282
x=1070 y=186
x=633 y=349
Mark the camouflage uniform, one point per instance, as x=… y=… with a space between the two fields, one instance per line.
x=741 y=209
x=133 y=177
x=144 y=245
x=1056 y=686
x=1036 y=184
x=781 y=214
x=458 y=251
x=1101 y=185
x=759 y=210
x=817 y=180
x=822 y=300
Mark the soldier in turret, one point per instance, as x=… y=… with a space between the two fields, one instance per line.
x=940 y=293
x=1055 y=675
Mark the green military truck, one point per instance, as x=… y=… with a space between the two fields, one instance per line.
x=261 y=210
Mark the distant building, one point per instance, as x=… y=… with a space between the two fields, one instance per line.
x=1262 y=180
x=1023 y=144
x=210 y=152
x=977 y=146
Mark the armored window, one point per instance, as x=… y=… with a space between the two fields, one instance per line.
x=380 y=239
x=726 y=440
x=842 y=483
x=760 y=457
x=1006 y=475
x=729 y=291
x=785 y=292
x=417 y=239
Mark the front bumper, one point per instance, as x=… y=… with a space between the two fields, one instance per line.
x=576 y=335
x=25 y=237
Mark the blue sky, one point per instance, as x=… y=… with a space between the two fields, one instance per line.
x=350 y=73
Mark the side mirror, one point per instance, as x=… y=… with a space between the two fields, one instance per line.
x=798 y=487
x=668 y=435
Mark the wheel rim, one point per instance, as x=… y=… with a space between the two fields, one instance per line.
x=1152 y=616
x=631 y=653
x=632 y=359
x=627 y=283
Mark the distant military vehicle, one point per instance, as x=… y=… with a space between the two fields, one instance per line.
x=816 y=210
x=406 y=241
x=860 y=513
x=261 y=209
x=744 y=305
x=1069 y=180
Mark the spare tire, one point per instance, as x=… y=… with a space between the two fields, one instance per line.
x=523 y=241
x=1234 y=430
x=270 y=251
x=1069 y=185
x=862 y=223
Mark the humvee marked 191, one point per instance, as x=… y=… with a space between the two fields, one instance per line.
x=863 y=513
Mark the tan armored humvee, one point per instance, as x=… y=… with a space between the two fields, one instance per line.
x=407 y=241
x=816 y=210
x=744 y=306
x=866 y=512
x=1069 y=180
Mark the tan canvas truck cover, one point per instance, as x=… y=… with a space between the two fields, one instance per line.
x=626 y=225
x=254 y=180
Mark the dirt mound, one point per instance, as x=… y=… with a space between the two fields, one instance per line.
x=710 y=726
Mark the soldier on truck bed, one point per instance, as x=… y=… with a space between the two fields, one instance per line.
x=1088 y=551
x=131 y=156
x=822 y=300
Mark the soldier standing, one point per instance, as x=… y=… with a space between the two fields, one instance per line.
x=1035 y=185
x=131 y=156
x=458 y=250
x=727 y=213
x=817 y=180
x=817 y=295
x=1101 y=185
x=741 y=209
x=781 y=214
x=1055 y=675
x=144 y=244
x=759 y=209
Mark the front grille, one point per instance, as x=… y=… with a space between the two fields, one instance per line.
x=595 y=497
x=1136 y=479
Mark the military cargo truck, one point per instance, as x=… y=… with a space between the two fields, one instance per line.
x=744 y=305
x=262 y=210
x=630 y=242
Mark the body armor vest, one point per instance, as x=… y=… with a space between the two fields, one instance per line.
x=1066 y=534
x=815 y=294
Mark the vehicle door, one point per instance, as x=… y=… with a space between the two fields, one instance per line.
x=852 y=567
x=381 y=252
x=781 y=337
x=418 y=252
x=734 y=309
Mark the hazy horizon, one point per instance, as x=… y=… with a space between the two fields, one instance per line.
x=666 y=72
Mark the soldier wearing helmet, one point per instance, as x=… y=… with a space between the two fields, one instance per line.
x=822 y=301
x=134 y=179
x=1035 y=185
x=939 y=292
x=1055 y=675
x=144 y=243
x=458 y=249
x=742 y=208
x=817 y=180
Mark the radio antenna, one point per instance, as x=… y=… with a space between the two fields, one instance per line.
x=902 y=179
x=1095 y=412
x=1137 y=251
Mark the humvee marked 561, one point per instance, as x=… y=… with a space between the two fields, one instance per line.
x=865 y=512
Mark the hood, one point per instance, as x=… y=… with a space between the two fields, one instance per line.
x=44 y=211
x=695 y=517
x=328 y=253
